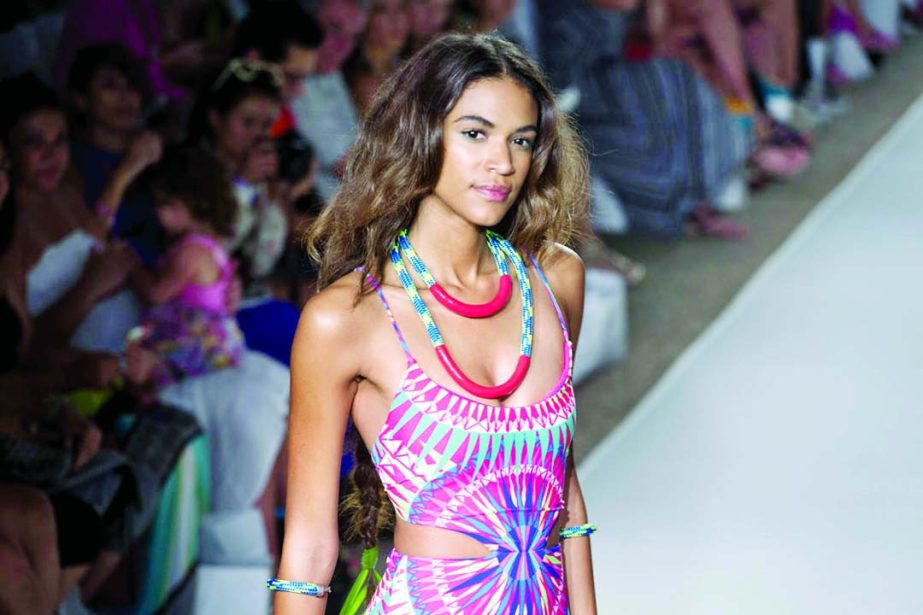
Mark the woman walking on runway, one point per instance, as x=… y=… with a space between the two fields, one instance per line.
x=442 y=273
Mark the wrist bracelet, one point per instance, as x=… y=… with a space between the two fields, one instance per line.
x=576 y=531
x=105 y=211
x=298 y=587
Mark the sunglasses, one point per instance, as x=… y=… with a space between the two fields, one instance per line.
x=247 y=70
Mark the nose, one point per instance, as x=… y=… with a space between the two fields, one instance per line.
x=500 y=160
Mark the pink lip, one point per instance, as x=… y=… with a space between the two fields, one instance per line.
x=493 y=193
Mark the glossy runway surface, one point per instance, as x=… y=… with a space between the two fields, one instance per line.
x=777 y=467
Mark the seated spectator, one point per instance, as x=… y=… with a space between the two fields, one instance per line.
x=70 y=285
x=428 y=18
x=706 y=35
x=281 y=32
x=324 y=111
x=379 y=51
x=138 y=25
x=189 y=327
x=233 y=120
x=665 y=162
x=56 y=238
x=29 y=569
x=111 y=147
x=114 y=495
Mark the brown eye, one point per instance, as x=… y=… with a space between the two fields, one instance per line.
x=524 y=143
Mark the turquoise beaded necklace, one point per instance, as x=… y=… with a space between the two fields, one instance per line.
x=501 y=250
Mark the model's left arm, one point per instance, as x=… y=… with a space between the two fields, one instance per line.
x=567 y=275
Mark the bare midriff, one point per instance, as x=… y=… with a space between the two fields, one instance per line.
x=425 y=541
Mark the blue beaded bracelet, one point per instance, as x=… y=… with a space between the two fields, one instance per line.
x=575 y=531
x=297 y=587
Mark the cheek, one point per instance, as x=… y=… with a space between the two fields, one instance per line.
x=28 y=163
x=62 y=156
x=460 y=166
x=234 y=136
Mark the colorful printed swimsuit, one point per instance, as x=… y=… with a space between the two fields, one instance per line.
x=493 y=473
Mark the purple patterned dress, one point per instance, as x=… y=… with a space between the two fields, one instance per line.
x=193 y=334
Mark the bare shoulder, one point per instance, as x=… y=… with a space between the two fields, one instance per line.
x=566 y=274
x=332 y=325
x=192 y=252
x=332 y=313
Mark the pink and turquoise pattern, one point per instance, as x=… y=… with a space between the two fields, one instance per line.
x=493 y=473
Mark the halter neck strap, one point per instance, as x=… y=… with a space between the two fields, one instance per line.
x=384 y=302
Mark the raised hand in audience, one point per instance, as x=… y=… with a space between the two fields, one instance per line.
x=144 y=150
x=78 y=435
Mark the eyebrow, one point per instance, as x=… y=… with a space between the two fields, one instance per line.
x=489 y=124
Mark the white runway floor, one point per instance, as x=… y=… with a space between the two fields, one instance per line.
x=777 y=468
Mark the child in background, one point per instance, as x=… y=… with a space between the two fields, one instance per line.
x=189 y=325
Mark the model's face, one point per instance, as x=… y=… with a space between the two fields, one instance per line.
x=299 y=64
x=488 y=139
x=389 y=25
x=39 y=148
x=244 y=125
x=112 y=101
x=429 y=17
x=343 y=22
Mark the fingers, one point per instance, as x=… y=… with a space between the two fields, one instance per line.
x=88 y=445
x=139 y=363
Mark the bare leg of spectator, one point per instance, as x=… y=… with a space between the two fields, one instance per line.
x=713 y=24
x=29 y=568
x=772 y=40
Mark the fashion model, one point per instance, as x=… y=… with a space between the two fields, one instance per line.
x=444 y=329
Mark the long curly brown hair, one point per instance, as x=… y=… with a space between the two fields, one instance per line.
x=396 y=162
x=398 y=154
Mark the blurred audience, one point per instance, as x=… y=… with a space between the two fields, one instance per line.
x=686 y=105
x=111 y=147
x=190 y=326
x=380 y=50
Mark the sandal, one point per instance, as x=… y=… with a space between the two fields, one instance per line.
x=779 y=161
x=705 y=221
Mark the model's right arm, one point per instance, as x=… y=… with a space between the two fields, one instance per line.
x=324 y=367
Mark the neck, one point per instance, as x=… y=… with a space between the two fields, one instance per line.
x=115 y=141
x=454 y=250
x=24 y=195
